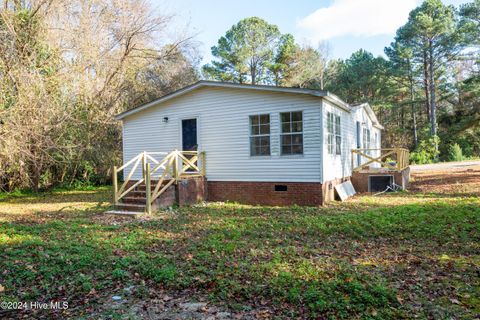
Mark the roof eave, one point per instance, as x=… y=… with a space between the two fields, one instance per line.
x=337 y=101
x=204 y=83
x=370 y=114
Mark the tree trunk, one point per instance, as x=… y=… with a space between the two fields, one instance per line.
x=322 y=76
x=433 y=111
x=412 y=100
x=433 y=106
x=402 y=117
x=35 y=172
x=426 y=85
x=414 y=118
x=36 y=179
x=253 y=74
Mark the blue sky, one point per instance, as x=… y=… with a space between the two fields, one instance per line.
x=346 y=25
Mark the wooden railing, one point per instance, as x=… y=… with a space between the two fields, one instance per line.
x=173 y=167
x=390 y=158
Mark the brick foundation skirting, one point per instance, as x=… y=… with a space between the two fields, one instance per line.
x=263 y=193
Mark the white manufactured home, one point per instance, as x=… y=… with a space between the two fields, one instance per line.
x=251 y=143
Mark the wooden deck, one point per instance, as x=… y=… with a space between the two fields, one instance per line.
x=380 y=160
x=372 y=163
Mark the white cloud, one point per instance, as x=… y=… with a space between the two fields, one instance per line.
x=356 y=18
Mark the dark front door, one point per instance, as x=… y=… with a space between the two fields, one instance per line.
x=189 y=135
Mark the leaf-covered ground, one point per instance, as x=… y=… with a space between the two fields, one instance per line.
x=405 y=255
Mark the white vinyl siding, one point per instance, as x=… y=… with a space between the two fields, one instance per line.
x=337 y=165
x=224 y=133
x=223 y=116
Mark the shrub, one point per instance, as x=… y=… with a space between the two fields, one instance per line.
x=455 y=152
x=426 y=152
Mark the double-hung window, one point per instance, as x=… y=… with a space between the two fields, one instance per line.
x=366 y=140
x=291 y=138
x=260 y=135
x=334 y=133
x=338 y=135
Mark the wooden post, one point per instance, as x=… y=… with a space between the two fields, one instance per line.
x=148 y=191
x=352 y=155
x=115 y=184
x=403 y=159
x=204 y=164
x=144 y=162
x=399 y=159
x=175 y=167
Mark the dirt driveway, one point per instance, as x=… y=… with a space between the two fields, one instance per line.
x=453 y=178
x=446 y=166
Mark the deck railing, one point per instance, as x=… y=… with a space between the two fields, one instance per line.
x=173 y=167
x=389 y=158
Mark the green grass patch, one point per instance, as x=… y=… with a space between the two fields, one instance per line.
x=377 y=258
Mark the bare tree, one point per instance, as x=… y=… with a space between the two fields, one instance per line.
x=309 y=67
x=66 y=68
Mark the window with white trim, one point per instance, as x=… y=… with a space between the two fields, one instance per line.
x=291 y=137
x=366 y=140
x=338 y=135
x=334 y=133
x=260 y=135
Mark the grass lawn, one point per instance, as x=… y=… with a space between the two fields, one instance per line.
x=404 y=255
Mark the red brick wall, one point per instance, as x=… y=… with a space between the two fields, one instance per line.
x=300 y=193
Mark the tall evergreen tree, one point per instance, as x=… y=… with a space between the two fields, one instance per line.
x=284 y=59
x=360 y=78
x=431 y=33
x=402 y=69
x=245 y=52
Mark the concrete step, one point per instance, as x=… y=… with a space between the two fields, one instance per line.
x=132 y=214
x=130 y=207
